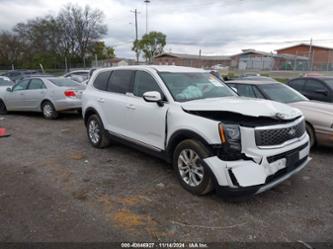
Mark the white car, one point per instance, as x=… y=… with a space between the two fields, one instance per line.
x=48 y=95
x=214 y=138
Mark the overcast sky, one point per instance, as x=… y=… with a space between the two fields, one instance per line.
x=220 y=27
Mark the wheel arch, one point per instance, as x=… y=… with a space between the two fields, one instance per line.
x=43 y=101
x=181 y=135
x=88 y=112
x=313 y=131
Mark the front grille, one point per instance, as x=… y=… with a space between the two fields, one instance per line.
x=271 y=137
x=272 y=159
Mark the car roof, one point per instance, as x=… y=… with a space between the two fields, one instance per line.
x=160 y=68
x=252 y=82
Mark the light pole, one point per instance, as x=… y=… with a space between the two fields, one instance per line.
x=146 y=2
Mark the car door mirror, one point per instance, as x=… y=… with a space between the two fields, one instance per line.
x=154 y=97
x=9 y=89
x=322 y=91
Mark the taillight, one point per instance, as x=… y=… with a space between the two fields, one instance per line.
x=70 y=93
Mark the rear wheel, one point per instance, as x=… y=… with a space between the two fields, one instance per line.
x=49 y=111
x=97 y=135
x=311 y=134
x=191 y=170
x=3 y=109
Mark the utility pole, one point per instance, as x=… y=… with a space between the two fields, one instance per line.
x=310 y=56
x=147 y=2
x=136 y=32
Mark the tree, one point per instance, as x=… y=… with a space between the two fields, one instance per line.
x=10 y=48
x=102 y=51
x=150 y=45
x=81 y=27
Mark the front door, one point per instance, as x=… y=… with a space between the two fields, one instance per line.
x=15 y=100
x=35 y=94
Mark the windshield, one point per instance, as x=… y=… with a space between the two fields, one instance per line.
x=281 y=93
x=64 y=82
x=190 y=86
x=329 y=83
x=6 y=82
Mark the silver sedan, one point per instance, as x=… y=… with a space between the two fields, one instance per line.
x=47 y=95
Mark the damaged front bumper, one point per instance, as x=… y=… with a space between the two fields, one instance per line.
x=247 y=177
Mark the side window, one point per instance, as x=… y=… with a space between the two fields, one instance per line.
x=297 y=84
x=257 y=93
x=120 y=81
x=101 y=81
x=36 y=84
x=144 y=82
x=22 y=85
x=245 y=90
x=314 y=85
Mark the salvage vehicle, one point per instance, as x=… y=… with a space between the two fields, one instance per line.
x=47 y=95
x=318 y=115
x=215 y=139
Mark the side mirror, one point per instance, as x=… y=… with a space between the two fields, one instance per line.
x=154 y=97
x=321 y=91
x=9 y=89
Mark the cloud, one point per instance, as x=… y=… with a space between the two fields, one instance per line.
x=214 y=26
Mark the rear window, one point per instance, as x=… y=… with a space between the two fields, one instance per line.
x=101 y=80
x=329 y=82
x=120 y=81
x=64 y=82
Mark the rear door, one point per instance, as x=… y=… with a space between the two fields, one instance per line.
x=146 y=121
x=35 y=94
x=15 y=100
x=115 y=101
x=316 y=90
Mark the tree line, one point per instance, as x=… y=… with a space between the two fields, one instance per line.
x=72 y=37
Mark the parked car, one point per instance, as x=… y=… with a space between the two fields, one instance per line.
x=17 y=75
x=213 y=138
x=314 y=88
x=5 y=82
x=258 y=78
x=318 y=115
x=47 y=95
x=78 y=75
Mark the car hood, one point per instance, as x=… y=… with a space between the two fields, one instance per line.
x=314 y=106
x=244 y=106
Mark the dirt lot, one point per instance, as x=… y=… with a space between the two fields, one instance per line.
x=55 y=187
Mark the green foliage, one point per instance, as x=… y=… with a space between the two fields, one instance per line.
x=150 y=45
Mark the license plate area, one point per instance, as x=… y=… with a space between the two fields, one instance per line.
x=292 y=160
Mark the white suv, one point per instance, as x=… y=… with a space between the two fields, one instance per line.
x=213 y=138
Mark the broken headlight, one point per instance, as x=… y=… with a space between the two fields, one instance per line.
x=231 y=136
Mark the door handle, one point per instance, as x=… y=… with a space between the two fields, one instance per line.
x=130 y=106
x=100 y=100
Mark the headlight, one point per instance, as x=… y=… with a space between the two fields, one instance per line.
x=230 y=134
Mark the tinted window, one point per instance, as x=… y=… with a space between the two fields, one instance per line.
x=257 y=93
x=120 y=81
x=22 y=85
x=101 y=80
x=64 y=82
x=36 y=84
x=281 y=93
x=314 y=85
x=144 y=83
x=245 y=90
x=329 y=82
x=297 y=84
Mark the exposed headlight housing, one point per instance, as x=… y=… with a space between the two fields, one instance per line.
x=230 y=135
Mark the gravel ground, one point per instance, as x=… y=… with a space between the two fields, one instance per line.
x=55 y=187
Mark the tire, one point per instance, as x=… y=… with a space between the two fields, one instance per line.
x=3 y=108
x=311 y=134
x=97 y=135
x=189 y=171
x=49 y=112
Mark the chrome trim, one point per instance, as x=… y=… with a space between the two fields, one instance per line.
x=285 y=177
x=131 y=140
x=280 y=126
x=294 y=140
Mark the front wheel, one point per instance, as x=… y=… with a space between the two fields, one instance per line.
x=312 y=136
x=191 y=170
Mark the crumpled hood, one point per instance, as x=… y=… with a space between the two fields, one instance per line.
x=314 y=106
x=245 y=106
